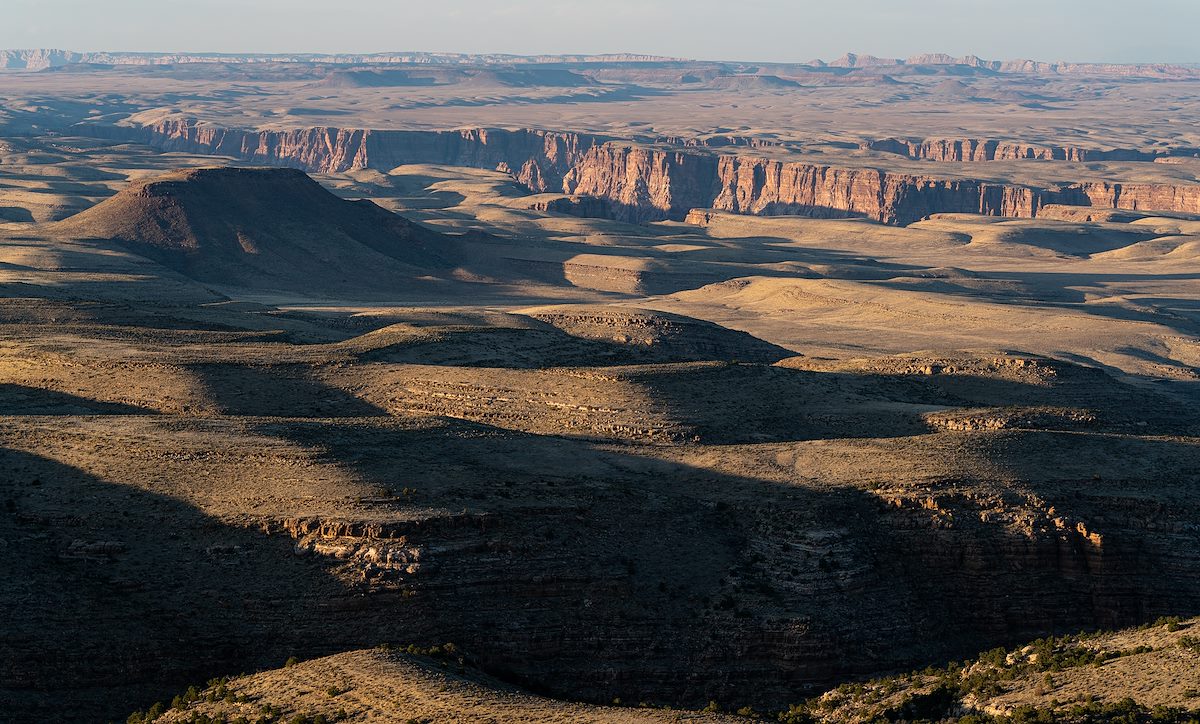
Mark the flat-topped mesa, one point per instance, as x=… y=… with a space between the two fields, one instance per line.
x=35 y=59
x=983 y=149
x=716 y=141
x=42 y=58
x=652 y=182
x=1020 y=65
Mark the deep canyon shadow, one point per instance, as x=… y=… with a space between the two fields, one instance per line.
x=580 y=570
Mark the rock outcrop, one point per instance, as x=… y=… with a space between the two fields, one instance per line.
x=984 y=149
x=1020 y=65
x=538 y=159
x=652 y=182
x=42 y=58
x=37 y=59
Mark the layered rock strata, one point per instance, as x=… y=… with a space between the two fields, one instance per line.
x=648 y=183
x=986 y=149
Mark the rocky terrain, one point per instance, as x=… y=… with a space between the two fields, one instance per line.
x=987 y=149
x=1146 y=673
x=538 y=413
x=390 y=684
x=647 y=183
x=654 y=508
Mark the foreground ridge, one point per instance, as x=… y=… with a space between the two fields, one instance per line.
x=1144 y=674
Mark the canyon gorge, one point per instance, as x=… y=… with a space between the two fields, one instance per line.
x=447 y=387
x=641 y=183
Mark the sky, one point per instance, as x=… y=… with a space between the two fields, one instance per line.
x=753 y=30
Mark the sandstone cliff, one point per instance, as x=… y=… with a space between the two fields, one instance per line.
x=646 y=183
x=41 y=58
x=37 y=59
x=1021 y=65
x=538 y=159
x=983 y=149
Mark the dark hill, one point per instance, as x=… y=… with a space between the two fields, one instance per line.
x=502 y=77
x=392 y=78
x=269 y=228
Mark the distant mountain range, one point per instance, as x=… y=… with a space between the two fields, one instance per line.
x=43 y=58
x=850 y=60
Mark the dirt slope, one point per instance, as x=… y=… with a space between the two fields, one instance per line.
x=381 y=685
x=270 y=228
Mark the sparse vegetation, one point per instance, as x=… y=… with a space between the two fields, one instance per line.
x=217 y=692
x=1126 y=711
x=937 y=693
x=1171 y=623
x=245 y=413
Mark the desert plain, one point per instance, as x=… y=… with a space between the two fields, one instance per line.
x=421 y=387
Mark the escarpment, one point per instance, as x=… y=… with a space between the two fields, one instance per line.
x=984 y=149
x=538 y=159
x=600 y=573
x=649 y=183
x=779 y=595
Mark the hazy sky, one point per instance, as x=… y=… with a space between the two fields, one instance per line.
x=774 y=30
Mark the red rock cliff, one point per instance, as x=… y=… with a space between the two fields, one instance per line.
x=644 y=183
x=984 y=149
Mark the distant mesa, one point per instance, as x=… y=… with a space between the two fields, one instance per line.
x=41 y=59
x=1022 y=65
x=531 y=77
x=751 y=82
x=263 y=227
x=853 y=60
x=435 y=76
x=388 y=78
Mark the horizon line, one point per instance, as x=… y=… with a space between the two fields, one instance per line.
x=650 y=57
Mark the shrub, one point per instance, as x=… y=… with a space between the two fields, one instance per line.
x=935 y=705
x=796 y=714
x=1171 y=623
